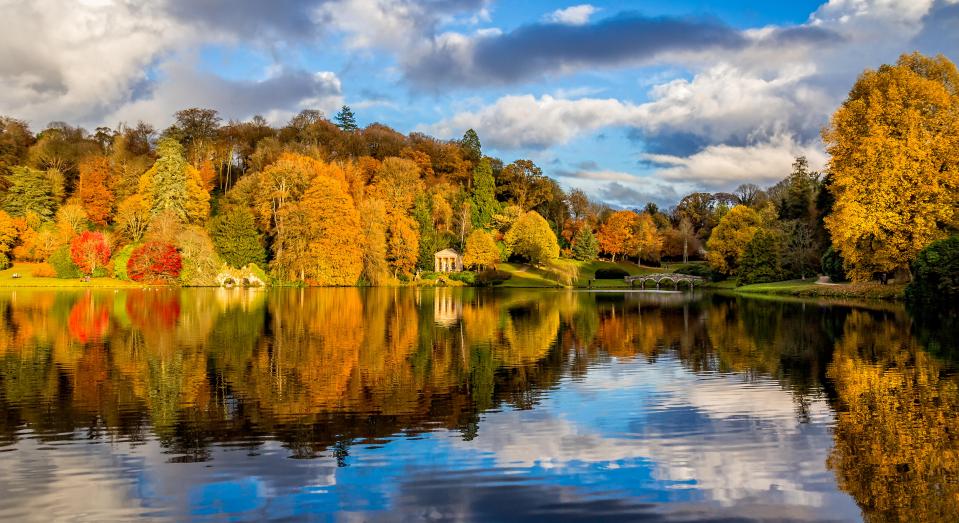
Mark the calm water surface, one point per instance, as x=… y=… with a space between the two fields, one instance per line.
x=403 y=404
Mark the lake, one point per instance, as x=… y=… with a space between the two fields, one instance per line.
x=471 y=405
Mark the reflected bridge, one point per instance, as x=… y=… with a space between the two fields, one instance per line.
x=660 y=277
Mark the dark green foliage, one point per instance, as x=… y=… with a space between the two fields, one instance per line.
x=610 y=273
x=484 y=195
x=695 y=269
x=760 y=261
x=492 y=277
x=472 y=148
x=585 y=245
x=4 y=262
x=935 y=275
x=345 y=120
x=831 y=265
x=63 y=265
x=801 y=192
x=29 y=190
x=237 y=239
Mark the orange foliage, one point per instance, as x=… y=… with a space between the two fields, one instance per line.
x=95 y=197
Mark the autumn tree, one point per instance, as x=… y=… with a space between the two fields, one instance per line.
x=616 y=234
x=95 y=197
x=523 y=184
x=175 y=185
x=532 y=238
x=8 y=238
x=373 y=223
x=133 y=217
x=334 y=239
x=730 y=237
x=398 y=184
x=645 y=242
x=237 y=239
x=481 y=250
x=894 y=159
x=154 y=262
x=90 y=251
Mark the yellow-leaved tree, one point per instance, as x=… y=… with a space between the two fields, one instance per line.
x=481 y=250
x=645 y=242
x=894 y=158
x=532 y=238
x=729 y=238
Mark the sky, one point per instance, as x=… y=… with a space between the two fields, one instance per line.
x=632 y=101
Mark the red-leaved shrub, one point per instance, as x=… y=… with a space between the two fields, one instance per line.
x=89 y=251
x=154 y=261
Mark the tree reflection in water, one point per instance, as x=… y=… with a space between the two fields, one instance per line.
x=323 y=370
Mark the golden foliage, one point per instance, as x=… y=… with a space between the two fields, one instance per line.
x=729 y=238
x=894 y=157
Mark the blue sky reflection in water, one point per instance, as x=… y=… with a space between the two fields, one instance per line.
x=447 y=405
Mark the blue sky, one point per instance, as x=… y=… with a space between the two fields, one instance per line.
x=632 y=101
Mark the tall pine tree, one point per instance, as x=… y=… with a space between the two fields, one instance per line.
x=346 y=120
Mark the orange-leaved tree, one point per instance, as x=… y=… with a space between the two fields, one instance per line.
x=95 y=197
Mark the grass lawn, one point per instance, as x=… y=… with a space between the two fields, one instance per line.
x=570 y=273
x=809 y=287
x=27 y=279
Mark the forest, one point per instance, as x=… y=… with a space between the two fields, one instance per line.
x=321 y=201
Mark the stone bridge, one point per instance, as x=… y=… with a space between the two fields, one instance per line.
x=659 y=277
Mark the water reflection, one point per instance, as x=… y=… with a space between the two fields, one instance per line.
x=470 y=404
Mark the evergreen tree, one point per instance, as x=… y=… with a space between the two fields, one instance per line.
x=29 y=190
x=484 y=195
x=175 y=185
x=760 y=261
x=237 y=239
x=585 y=245
x=346 y=120
x=472 y=148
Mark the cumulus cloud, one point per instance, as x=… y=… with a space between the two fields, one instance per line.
x=574 y=15
x=68 y=60
x=725 y=166
x=276 y=98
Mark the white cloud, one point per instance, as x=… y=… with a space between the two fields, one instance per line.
x=515 y=122
x=725 y=166
x=68 y=60
x=575 y=15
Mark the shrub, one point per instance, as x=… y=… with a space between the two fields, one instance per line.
x=699 y=269
x=935 y=275
x=63 y=265
x=120 y=259
x=467 y=277
x=89 y=251
x=610 y=273
x=492 y=277
x=44 y=270
x=831 y=264
x=154 y=261
x=4 y=261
